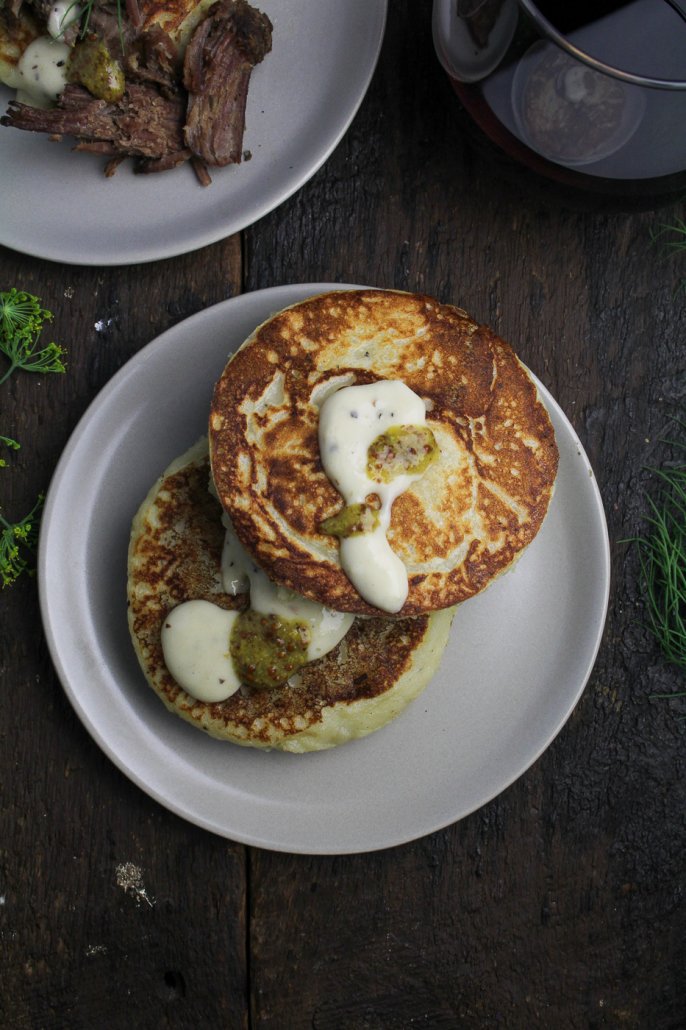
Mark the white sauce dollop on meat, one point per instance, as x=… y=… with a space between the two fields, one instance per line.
x=62 y=15
x=42 y=72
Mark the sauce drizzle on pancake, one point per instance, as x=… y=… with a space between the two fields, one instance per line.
x=350 y=422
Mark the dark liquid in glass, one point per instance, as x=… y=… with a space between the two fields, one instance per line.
x=566 y=17
x=573 y=123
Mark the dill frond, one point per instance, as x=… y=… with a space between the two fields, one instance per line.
x=21 y=322
x=18 y=542
x=13 y=446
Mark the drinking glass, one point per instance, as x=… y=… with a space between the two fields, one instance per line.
x=591 y=92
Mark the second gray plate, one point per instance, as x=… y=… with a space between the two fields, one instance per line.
x=518 y=658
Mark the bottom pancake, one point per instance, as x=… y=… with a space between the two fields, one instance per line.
x=376 y=670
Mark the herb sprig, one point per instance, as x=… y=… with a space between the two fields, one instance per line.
x=82 y=12
x=671 y=238
x=8 y=442
x=662 y=554
x=21 y=323
x=675 y=233
x=17 y=541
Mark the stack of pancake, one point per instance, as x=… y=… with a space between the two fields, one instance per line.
x=460 y=522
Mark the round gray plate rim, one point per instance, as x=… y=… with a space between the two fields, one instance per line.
x=517 y=662
x=57 y=205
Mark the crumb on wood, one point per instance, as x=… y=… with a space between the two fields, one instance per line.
x=130 y=878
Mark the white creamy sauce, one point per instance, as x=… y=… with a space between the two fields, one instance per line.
x=62 y=14
x=195 y=644
x=196 y=635
x=42 y=72
x=240 y=573
x=349 y=421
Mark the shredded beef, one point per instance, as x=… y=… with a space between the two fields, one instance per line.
x=171 y=111
x=142 y=124
x=219 y=59
x=152 y=56
x=133 y=12
x=118 y=34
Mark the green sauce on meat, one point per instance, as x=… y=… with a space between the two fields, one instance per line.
x=93 y=67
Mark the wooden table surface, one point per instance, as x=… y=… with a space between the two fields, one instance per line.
x=559 y=903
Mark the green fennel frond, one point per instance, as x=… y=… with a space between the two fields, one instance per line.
x=17 y=543
x=662 y=556
x=21 y=323
x=8 y=442
x=671 y=237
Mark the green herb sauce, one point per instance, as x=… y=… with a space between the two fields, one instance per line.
x=93 y=67
x=401 y=450
x=352 y=520
x=267 y=649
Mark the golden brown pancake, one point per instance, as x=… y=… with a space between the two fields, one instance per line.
x=460 y=525
x=175 y=556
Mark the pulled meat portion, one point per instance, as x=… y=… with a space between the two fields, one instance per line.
x=117 y=129
x=223 y=51
x=172 y=110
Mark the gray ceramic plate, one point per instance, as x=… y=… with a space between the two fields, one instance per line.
x=57 y=205
x=517 y=662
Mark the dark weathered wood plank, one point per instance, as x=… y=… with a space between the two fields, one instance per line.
x=558 y=903
x=114 y=912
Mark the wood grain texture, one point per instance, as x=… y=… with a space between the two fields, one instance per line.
x=114 y=913
x=560 y=903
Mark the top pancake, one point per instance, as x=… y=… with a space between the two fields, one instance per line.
x=456 y=528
